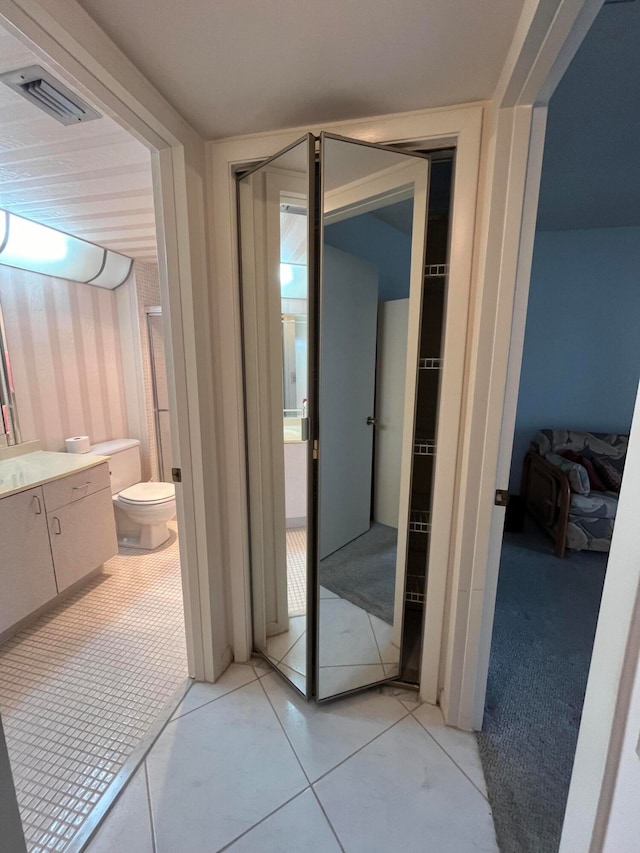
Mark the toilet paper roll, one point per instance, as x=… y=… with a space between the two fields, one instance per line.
x=78 y=444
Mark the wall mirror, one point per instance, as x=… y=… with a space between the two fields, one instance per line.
x=331 y=303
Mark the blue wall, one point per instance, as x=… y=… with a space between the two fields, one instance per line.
x=581 y=360
x=376 y=241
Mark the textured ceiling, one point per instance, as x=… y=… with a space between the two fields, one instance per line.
x=239 y=66
x=591 y=167
x=92 y=180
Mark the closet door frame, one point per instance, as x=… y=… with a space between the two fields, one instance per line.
x=460 y=128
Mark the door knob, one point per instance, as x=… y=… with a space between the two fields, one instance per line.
x=371 y=421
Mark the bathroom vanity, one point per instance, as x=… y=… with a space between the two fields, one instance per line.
x=56 y=528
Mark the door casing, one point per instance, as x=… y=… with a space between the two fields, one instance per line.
x=460 y=128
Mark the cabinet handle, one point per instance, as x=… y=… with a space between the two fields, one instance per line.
x=36 y=500
x=83 y=486
x=59 y=526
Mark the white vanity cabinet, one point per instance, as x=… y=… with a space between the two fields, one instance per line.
x=53 y=534
x=27 y=580
x=82 y=535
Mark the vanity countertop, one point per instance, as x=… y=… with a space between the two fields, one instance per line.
x=28 y=470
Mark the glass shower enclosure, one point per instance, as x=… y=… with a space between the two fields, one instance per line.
x=160 y=394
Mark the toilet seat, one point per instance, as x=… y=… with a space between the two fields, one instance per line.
x=148 y=493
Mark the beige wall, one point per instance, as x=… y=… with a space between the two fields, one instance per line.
x=64 y=345
x=148 y=293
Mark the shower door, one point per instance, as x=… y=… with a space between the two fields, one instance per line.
x=160 y=395
x=310 y=220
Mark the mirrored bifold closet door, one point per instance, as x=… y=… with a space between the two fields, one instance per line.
x=331 y=350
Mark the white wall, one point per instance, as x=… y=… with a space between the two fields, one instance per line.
x=64 y=346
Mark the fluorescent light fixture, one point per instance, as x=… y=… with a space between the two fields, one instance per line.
x=116 y=269
x=38 y=248
x=293 y=281
x=4 y=228
x=286 y=274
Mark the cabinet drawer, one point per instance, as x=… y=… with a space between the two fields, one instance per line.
x=76 y=486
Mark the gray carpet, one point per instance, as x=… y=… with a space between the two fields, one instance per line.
x=364 y=571
x=545 y=622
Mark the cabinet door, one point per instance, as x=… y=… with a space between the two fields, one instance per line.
x=27 y=580
x=83 y=536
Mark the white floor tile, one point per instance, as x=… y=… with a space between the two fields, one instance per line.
x=278 y=646
x=384 y=638
x=214 y=773
x=128 y=824
x=294 y=677
x=324 y=735
x=261 y=666
x=326 y=593
x=200 y=694
x=409 y=698
x=80 y=687
x=461 y=746
x=300 y=825
x=296 y=657
x=346 y=635
x=333 y=680
x=391 y=670
x=401 y=792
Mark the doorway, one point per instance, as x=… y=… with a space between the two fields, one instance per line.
x=93 y=653
x=348 y=402
x=578 y=384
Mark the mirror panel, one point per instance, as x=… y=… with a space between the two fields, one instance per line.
x=373 y=204
x=275 y=253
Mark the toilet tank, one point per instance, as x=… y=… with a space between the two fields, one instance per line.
x=124 y=461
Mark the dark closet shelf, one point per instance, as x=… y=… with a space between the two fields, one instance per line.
x=420 y=521
x=414 y=593
x=430 y=363
x=436 y=270
x=424 y=446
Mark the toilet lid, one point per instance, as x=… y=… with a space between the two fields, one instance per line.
x=149 y=493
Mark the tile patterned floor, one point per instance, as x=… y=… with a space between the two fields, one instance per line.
x=80 y=687
x=356 y=648
x=297 y=570
x=246 y=765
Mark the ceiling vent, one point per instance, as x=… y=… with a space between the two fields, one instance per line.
x=42 y=89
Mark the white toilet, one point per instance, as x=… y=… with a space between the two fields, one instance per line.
x=142 y=510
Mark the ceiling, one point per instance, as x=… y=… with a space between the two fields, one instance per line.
x=236 y=66
x=591 y=167
x=92 y=180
